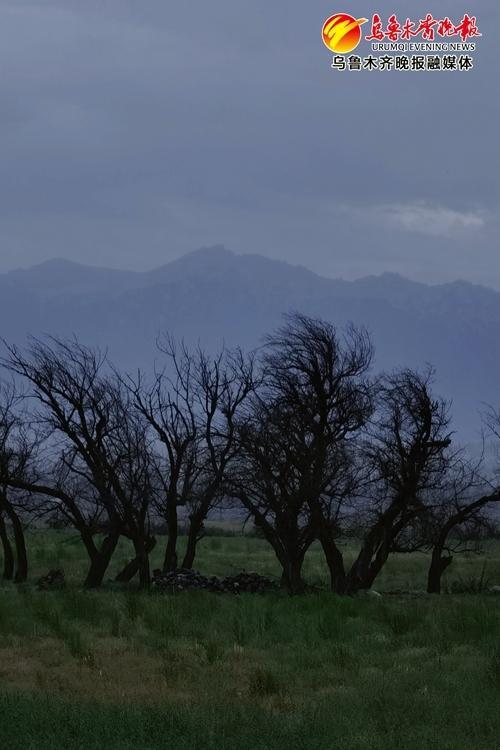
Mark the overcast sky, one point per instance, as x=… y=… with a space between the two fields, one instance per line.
x=133 y=132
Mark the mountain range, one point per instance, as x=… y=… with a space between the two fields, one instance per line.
x=213 y=295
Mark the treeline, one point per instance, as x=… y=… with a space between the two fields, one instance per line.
x=299 y=434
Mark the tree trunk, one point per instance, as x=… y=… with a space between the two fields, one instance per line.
x=291 y=578
x=335 y=562
x=288 y=548
x=8 y=555
x=143 y=555
x=21 y=553
x=373 y=554
x=99 y=560
x=190 y=553
x=377 y=564
x=170 y=559
x=357 y=577
x=436 y=569
x=364 y=572
x=195 y=527
x=139 y=564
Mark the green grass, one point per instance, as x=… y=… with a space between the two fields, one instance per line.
x=123 y=669
x=222 y=555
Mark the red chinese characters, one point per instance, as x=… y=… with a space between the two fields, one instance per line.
x=393 y=29
x=445 y=27
x=408 y=30
x=427 y=28
x=376 y=32
x=466 y=28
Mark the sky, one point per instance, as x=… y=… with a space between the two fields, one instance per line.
x=134 y=132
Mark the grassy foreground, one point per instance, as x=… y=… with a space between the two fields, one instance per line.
x=119 y=669
x=223 y=555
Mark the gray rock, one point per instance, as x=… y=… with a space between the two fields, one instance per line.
x=54 y=580
x=369 y=594
x=184 y=580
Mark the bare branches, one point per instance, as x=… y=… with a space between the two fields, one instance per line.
x=298 y=434
x=298 y=465
x=95 y=446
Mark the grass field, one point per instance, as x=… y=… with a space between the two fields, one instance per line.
x=122 y=669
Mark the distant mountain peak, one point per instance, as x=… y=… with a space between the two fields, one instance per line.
x=213 y=295
x=388 y=278
x=214 y=251
x=60 y=275
x=208 y=252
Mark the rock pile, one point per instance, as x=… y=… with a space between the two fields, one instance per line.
x=189 y=580
x=369 y=594
x=52 y=581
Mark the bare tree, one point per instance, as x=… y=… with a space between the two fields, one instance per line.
x=461 y=511
x=16 y=451
x=132 y=476
x=267 y=482
x=192 y=406
x=300 y=441
x=451 y=517
x=460 y=514
x=323 y=375
x=97 y=450
x=167 y=405
x=222 y=385
x=408 y=451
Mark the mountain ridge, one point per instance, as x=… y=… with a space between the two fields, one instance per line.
x=218 y=253
x=213 y=295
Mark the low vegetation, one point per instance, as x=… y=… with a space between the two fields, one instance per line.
x=125 y=669
x=347 y=482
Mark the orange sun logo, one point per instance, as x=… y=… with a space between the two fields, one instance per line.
x=341 y=33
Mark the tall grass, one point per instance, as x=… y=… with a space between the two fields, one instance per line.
x=221 y=555
x=123 y=669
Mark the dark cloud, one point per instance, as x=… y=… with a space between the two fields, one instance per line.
x=133 y=132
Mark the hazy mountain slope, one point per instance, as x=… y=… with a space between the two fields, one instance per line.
x=59 y=277
x=213 y=295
